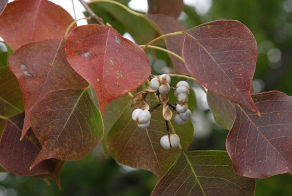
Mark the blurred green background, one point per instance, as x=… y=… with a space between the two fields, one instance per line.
x=271 y=23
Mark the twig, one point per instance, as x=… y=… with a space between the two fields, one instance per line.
x=91 y=13
x=167 y=126
x=151 y=109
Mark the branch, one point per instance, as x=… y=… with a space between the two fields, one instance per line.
x=91 y=13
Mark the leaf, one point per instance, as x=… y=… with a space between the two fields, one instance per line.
x=171 y=7
x=203 y=173
x=173 y=43
x=222 y=55
x=261 y=146
x=223 y=110
x=41 y=67
x=67 y=124
x=3 y=4
x=10 y=95
x=140 y=148
x=110 y=63
x=139 y=28
x=16 y=156
x=37 y=20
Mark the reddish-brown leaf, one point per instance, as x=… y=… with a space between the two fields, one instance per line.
x=3 y=4
x=16 y=156
x=204 y=173
x=222 y=55
x=261 y=146
x=41 y=67
x=112 y=64
x=67 y=124
x=140 y=148
x=33 y=20
x=223 y=110
x=173 y=43
x=169 y=7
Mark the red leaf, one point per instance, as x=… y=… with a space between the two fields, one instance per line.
x=41 y=67
x=111 y=64
x=261 y=146
x=171 y=7
x=16 y=156
x=3 y=4
x=222 y=55
x=33 y=20
x=173 y=43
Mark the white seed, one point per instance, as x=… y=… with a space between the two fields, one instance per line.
x=183 y=83
x=144 y=125
x=182 y=97
x=181 y=108
x=154 y=83
x=174 y=140
x=182 y=89
x=135 y=114
x=164 y=89
x=175 y=94
x=186 y=115
x=144 y=116
x=177 y=119
x=164 y=142
x=164 y=78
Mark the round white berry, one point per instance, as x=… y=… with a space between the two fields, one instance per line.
x=182 y=89
x=135 y=114
x=164 y=142
x=174 y=140
x=177 y=119
x=183 y=83
x=186 y=115
x=144 y=116
x=144 y=125
x=181 y=108
x=182 y=97
x=164 y=89
x=154 y=83
x=164 y=78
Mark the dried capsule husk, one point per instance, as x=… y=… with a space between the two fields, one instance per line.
x=174 y=140
x=181 y=107
x=144 y=116
x=186 y=115
x=166 y=112
x=144 y=125
x=164 y=78
x=164 y=89
x=135 y=114
x=183 y=83
x=164 y=142
x=178 y=120
x=182 y=97
x=155 y=84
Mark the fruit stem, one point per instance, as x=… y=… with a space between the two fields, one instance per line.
x=91 y=13
x=151 y=109
x=183 y=76
x=72 y=24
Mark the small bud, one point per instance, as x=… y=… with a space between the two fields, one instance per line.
x=164 y=142
x=181 y=108
x=164 y=89
x=154 y=83
x=182 y=97
x=182 y=89
x=177 y=119
x=183 y=83
x=186 y=115
x=174 y=140
x=135 y=114
x=164 y=78
x=144 y=125
x=144 y=116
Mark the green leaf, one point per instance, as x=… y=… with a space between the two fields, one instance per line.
x=140 y=148
x=204 y=173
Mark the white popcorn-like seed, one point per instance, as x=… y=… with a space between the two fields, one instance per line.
x=175 y=94
x=135 y=114
x=164 y=88
x=154 y=83
x=181 y=108
x=177 y=119
x=174 y=140
x=182 y=89
x=183 y=83
x=144 y=125
x=186 y=115
x=164 y=78
x=144 y=116
x=182 y=97
x=164 y=142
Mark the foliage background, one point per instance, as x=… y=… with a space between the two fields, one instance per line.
x=271 y=23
